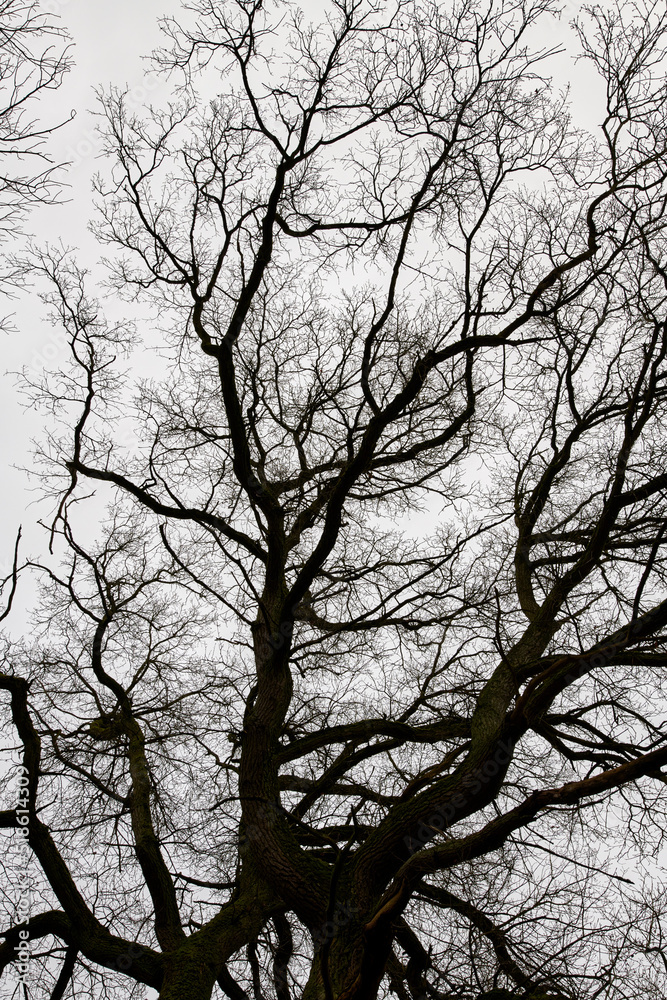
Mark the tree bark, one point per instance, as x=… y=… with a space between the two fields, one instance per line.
x=190 y=974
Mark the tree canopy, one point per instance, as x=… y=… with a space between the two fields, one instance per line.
x=346 y=676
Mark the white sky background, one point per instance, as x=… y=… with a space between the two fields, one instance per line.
x=109 y=41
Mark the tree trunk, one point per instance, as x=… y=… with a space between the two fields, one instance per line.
x=189 y=975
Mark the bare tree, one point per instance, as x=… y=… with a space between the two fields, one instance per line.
x=33 y=61
x=279 y=738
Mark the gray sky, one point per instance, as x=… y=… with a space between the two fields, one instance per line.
x=109 y=43
x=109 y=40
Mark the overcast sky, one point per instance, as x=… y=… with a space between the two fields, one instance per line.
x=109 y=41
